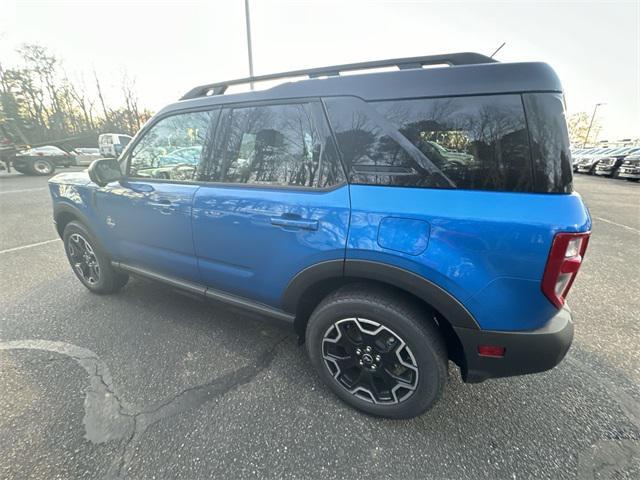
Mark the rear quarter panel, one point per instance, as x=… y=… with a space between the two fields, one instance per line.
x=487 y=249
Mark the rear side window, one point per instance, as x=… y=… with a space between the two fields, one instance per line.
x=550 y=148
x=274 y=145
x=475 y=143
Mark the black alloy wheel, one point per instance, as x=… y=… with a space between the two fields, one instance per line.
x=89 y=261
x=378 y=350
x=83 y=259
x=370 y=360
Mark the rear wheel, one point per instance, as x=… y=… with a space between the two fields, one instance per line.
x=378 y=352
x=42 y=166
x=89 y=262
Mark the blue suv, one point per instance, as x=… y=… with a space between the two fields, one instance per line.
x=397 y=220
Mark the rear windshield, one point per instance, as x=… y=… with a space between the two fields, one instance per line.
x=476 y=142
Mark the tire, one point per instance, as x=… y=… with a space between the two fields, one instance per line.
x=404 y=342
x=89 y=262
x=42 y=166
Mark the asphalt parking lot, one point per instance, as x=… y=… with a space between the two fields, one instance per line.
x=151 y=383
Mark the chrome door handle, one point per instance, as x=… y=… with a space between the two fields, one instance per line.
x=164 y=205
x=299 y=223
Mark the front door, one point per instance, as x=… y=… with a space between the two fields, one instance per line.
x=148 y=214
x=275 y=203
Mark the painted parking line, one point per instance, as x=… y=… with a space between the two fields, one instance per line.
x=24 y=190
x=23 y=247
x=618 y=224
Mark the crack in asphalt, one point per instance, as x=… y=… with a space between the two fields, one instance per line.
x=107 y=417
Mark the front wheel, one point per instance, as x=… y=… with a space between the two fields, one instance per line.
x=378 y=351
x=89 y=262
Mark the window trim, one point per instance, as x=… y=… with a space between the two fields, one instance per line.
x=252 y=186
x=334 y=139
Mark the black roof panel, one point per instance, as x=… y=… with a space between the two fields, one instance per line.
x=480 y=79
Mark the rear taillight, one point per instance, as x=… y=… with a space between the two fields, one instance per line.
x=565 y=258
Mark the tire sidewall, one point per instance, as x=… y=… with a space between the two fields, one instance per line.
x=52 y=167
x=103 y=261
x=431 y=367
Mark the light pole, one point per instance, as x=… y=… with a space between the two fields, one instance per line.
x=248 y=19
x=586 y=137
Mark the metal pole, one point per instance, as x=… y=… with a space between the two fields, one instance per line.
x=586 y=137
x=246 y=9
x=498 y=49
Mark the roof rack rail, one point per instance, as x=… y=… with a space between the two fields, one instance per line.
x=463 y=58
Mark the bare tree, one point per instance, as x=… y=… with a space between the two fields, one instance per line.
x=48 y=105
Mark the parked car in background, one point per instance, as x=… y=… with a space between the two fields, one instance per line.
x=324 y=203
x=578 y=157
x=630 y=168
x=609 y=166
x=589 y=162
x=85 y=155
x=180 y=164
x=111 y=144
x=42 y=160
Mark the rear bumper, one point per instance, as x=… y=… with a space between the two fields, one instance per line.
x=525 y=352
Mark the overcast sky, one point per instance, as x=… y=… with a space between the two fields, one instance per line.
x=170 y=46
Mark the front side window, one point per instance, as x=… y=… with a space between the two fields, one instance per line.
x=173 y=147
x=275 y=145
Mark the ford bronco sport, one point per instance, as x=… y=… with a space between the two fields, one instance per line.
x=397 y=220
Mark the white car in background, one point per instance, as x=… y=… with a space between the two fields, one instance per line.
x=85 y=155
x=112 y=144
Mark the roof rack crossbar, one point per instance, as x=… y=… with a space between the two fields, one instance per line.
x=463 y=58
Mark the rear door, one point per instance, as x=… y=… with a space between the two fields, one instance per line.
x=275 y=202
x=149 y=212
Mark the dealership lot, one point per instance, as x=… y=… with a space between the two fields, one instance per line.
x=151 y=383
